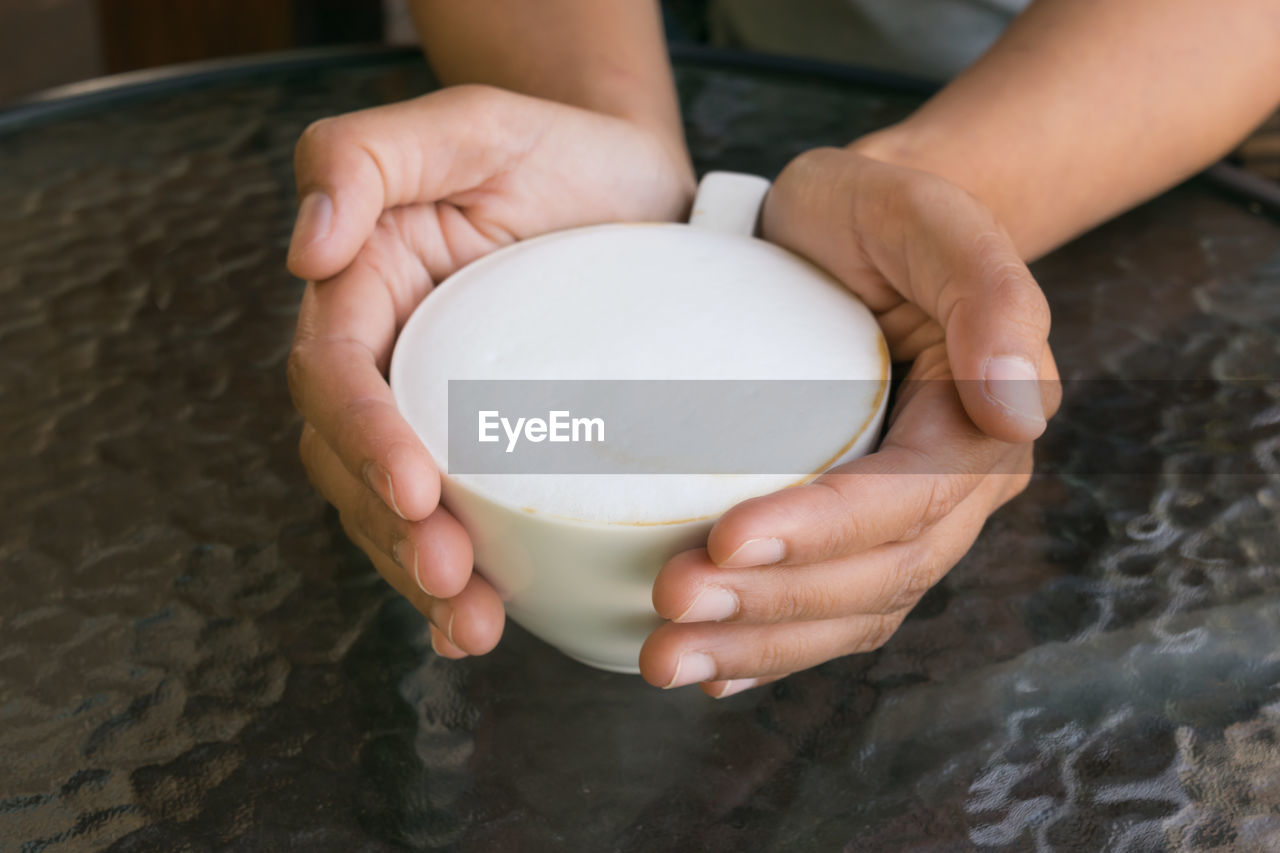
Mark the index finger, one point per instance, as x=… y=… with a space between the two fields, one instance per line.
x=932 y=458
x=345 y=329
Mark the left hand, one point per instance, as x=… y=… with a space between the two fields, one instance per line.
x=396 y=198
x=811 y=573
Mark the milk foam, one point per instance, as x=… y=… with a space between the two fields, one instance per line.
x=643 y=302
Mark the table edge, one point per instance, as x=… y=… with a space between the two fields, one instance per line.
x=51 y=104
x=60 y=101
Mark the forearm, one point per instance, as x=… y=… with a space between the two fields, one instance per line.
x=1086 y=107
x=604 y=55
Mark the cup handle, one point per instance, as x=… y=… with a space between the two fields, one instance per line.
x=729 y=202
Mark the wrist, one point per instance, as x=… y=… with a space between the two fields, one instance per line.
x=649 y=108
x=667 y=135
x=914 y=147
x=624 y=99
x=677 y=152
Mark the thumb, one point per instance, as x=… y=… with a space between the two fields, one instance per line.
x=343 y=192
x=996 y=322
x=933 y=245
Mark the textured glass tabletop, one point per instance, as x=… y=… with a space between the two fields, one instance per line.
x=193 y=658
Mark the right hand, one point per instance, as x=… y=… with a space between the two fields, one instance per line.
x=394 y=200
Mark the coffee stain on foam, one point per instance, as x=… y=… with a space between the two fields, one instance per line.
x=661 y=523
x=533 y=511
x=875 y=410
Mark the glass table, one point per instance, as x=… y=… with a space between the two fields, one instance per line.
x=193 y=658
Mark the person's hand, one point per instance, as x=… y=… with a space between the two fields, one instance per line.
x=395 y=199
x=811 y=573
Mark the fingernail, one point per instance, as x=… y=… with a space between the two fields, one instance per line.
x=756 y=552
x=441 y=615
x=713 y=604
x=692 y=668
x=437 y=638
x=407 y=556
x=380 y=481
x=448 y=631
x=1013 y=383
x=736 y=686
x=314 y=217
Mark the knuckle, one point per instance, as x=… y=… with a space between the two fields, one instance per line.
x=349 y=527
x=936 y=502
x=1051 y=393
x=297 y=371
x=881 y=631
x=873 y=634
x=1009 y=283
x=317 y=136
x=943 y=495
x=907 y=586
x=917 y=195
x=388 y=232
x=928 y=199
x=676 y=588
x=369 y=517
x=353 y=421
x=307 y=446
x=804 y=602
x=835 y=539
x=813 y=161
x=932 y=505
x=850 y=530
x=1014 y=485
x=843 y=524
x=781 y=656
x=492 y=106
x=1021 y=300
x=815 y=168
x=805 y=186
x=310 y=454
x=791 y=604
x=481 y=93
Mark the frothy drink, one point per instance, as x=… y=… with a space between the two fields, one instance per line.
x=719 y=324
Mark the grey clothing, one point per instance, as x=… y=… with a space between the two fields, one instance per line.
x=926 y=38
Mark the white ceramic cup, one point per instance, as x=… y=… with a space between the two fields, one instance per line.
x=705 y=300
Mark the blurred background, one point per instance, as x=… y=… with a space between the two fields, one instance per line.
x=48 y=43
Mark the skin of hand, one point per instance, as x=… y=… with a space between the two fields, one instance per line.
x=394 y=199
x=811 y=573
x=1084 y=108
x=1090 y=104
x=1008 y=131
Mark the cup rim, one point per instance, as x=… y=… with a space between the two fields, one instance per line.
x=876 y=411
